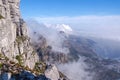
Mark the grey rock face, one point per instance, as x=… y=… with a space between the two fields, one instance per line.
x=15 y=48
x=13 y=34
x=52 y=73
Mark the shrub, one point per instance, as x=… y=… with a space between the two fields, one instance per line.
x=20 y=39
x=19 y=59
x=37 y=68
x=1 y=17
x=1 y=65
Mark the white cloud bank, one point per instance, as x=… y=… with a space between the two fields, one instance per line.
x=50 y=33
x=95 y=26
x=98 y=26
x=77 y=70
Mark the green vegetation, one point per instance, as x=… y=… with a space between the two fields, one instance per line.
x=1 y=65
x=1 y=55
x=6 y=58
x=1 y=17
x=20 y=39
x=33 y=53
x=19 y=59
x=39 y=68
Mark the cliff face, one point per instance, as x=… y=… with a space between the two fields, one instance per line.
x=18 y=60
x=14 y=42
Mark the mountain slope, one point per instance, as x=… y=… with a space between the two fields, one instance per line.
x=81 y=62
x=18 y=59
x=14 y=40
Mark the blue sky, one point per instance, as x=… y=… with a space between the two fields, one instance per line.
x=48 y=8
x=89 y=17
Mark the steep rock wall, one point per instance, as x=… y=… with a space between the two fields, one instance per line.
x=14 y=41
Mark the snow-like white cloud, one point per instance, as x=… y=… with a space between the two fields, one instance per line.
x=77 y=70
x=51 y=33
x=60 y=27
x=96 y=26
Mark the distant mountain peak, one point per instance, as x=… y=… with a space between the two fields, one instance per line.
x=64 y=27
x=60 y=27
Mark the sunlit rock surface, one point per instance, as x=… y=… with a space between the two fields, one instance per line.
x=13 y=34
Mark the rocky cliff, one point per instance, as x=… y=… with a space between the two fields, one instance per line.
x=14 y=41
x=18 y=59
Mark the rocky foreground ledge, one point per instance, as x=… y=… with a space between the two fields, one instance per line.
x=10 y=70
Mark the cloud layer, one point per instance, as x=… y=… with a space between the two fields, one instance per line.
x=102 y=26
x=76 y=70
x=52 y=35
x=79 y=19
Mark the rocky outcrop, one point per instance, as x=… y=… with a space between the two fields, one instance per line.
x=10 y=70
x=18 y=59
x=14 y=41
x=45 y=51
x=49 y=72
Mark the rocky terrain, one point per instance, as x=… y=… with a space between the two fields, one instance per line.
x=24 y=59
x=14 y=40
x=18 y=59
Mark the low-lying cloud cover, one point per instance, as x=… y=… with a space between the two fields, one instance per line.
x=76 y=70
x=99 y=27
x=52 y=35
x=95 y=26
x=73 y=70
